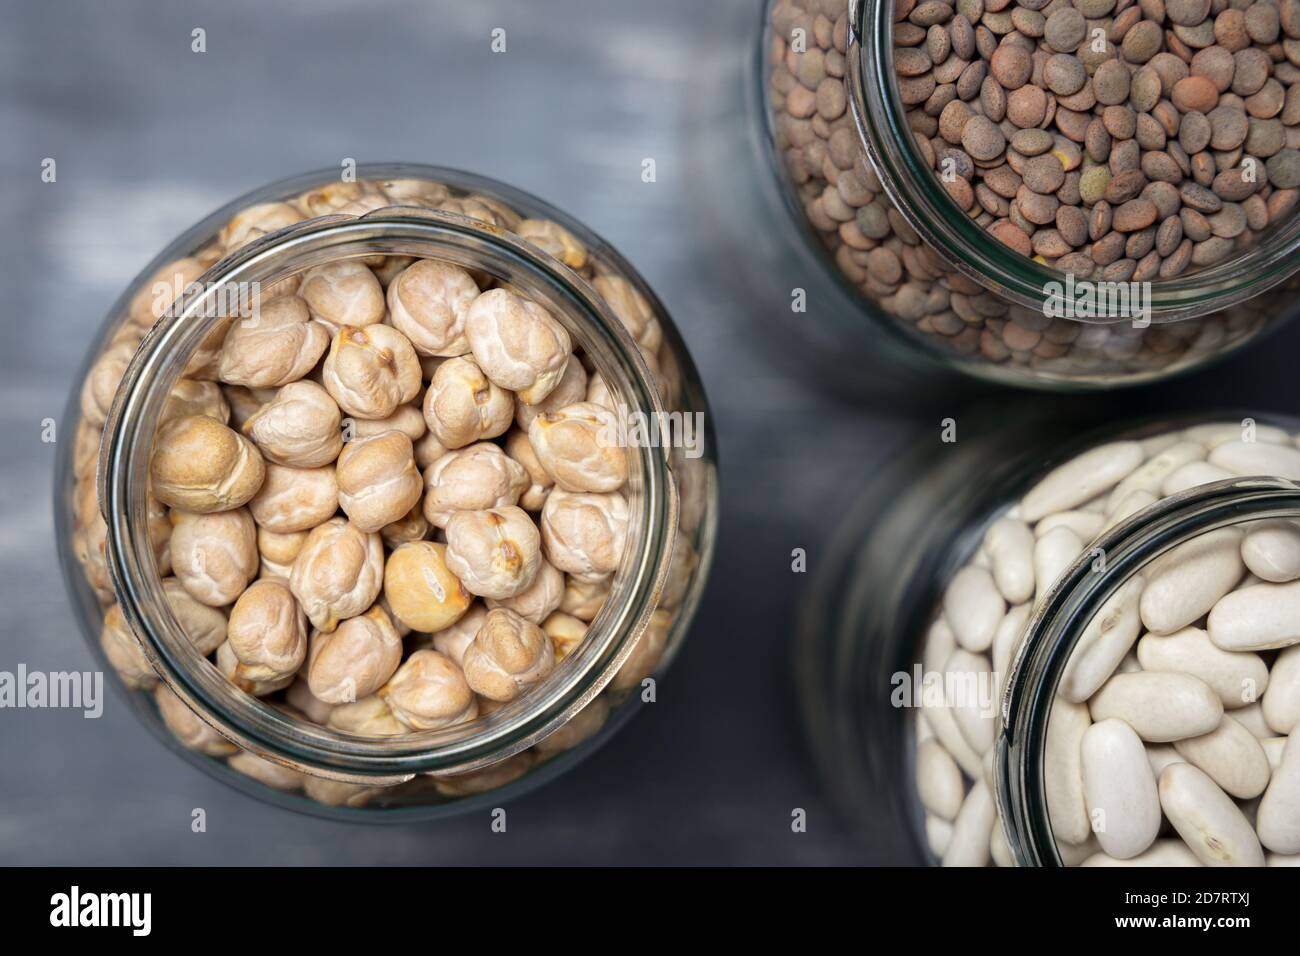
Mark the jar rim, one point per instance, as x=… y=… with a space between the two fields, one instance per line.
x=1058 y=622
x=123 y=469
x=884 y=133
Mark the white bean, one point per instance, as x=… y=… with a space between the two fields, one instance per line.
x=1278 y=822
x=1104 y=642
x=1207 y=819
x=973 y=608
x=1273 y=747
x=1010 y=546
x=1257 y=458
x=1054 y=552
x=1281 y=704
x=939 y=780
x=1161 y=707
x=1184 y=584
x=969 y=845
x=1119 y=788
x=1271 y=551
x=1063 y=771
x=1192 y=476
x=1151 y=476
x=1086 y=524
x=1238 y=677
x=1161 y=756
x=938 y=834
x=1232 y=757
x=1082 y=479
x=1161 y=853
x=973 y=708
x=1257 y=618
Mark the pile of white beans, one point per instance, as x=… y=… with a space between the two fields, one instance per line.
x=1170 y=740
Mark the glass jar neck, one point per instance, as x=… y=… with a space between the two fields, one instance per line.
x=161 y=360
x=885 y=133
x=1058 y=624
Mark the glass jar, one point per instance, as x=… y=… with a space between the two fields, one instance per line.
x=898 y=274
x=154 y=360
x=912 y=678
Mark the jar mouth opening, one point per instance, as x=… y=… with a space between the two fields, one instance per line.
x=123 y=482
x=884 y=132
x=1058 y=622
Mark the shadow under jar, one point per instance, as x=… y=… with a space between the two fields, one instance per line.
x=1091 y=658
x=265 y=347
x=913 y=277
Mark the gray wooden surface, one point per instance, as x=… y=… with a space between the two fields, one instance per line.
x=149 y=136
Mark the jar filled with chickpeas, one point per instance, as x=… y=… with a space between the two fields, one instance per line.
x=1093 y=658
x=390 y=494
x=1058 y=194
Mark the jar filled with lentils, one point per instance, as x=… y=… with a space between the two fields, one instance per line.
x=390 y=495
x=1092 y=658
x=1061 y=194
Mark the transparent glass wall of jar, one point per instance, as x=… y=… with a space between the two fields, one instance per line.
x=861 y=190
x=332 y=254
x=912 y=679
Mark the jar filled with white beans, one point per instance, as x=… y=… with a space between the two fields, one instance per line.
x=390 y=494
x=1089 y=660
x=933 y=188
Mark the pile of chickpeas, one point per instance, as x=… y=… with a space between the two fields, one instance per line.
x=386 y=502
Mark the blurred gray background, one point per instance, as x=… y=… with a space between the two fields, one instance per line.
x=149 y=137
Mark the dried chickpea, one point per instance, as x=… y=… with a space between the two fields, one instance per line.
x=214 y=555
x=189 y=728
x=407 y=419
x=583 y=726
x=583 y=598
x=267 y=632
x=632 y=309
x=202 y=466
x=536 y=602
x=100 y=385
x=192 y=397
x=521 y=450
x=338 y=793
x=124 y=651
x=428 y=692
x=577 y=446
x=279 y=345
x=164 y=287
x=421 y=590
x=343 y=293
x=300 y=697
x=507 y=656
x=427 y=450
x=598 y=392
x=572 y=388
x=428 y=303
x=566 y=633
x=338 y=573
x=453 y=640
x=462 y=405
x=85 y=454
x=243 y=404
x=369 y=716
x=203 y=363
x=412 y=526
x=681 y=570
x=584 y=533
x=268 y=772
x=518 y=344
x=295 y=499
x=645 y=656
x=205 y=626
x=333 y=196
x=298 y=427
x=377 y=480
x=555 y=240
x=279 y=549
x=475 y=478
x=415 y=192
x=355 y=659
x=228 y=663
x=489 y=778
x=254 y=222
x=494 y=553
x=370 y=371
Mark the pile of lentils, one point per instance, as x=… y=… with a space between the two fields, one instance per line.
x=1130 y=141
x=876 y=250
